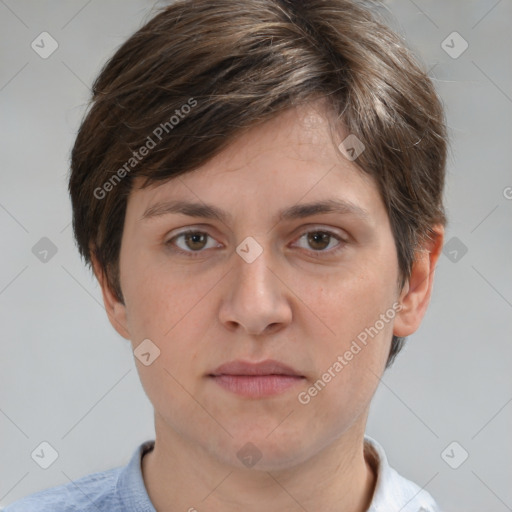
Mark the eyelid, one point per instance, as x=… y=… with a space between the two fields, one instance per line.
x=337 y=232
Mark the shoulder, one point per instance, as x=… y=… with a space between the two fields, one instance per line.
x=95 y=492
x=392 y=490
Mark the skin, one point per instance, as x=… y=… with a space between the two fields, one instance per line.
x=298 y=302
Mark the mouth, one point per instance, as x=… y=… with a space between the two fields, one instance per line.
x=256 y=380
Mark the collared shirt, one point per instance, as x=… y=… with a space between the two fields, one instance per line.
x=122 y=489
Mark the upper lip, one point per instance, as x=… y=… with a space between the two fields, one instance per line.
x=267 y=367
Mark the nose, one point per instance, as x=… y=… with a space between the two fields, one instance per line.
x=257 y=300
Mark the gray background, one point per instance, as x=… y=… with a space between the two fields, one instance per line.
x=67 y=378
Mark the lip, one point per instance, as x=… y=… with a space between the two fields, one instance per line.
x=256 y=380
x=267 y=367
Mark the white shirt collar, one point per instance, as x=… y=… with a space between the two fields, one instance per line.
x=393 y=492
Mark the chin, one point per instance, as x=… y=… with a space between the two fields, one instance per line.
x=263 y=450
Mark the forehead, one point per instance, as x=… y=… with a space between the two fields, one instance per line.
x=292 y=158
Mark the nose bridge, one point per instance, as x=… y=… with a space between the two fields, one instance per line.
x=256 y=299
x=253 y=277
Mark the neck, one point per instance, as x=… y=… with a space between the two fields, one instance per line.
x=179 y=475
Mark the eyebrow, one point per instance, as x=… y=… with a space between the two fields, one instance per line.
x=297 y=211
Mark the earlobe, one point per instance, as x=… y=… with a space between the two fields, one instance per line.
x=415 y=295
x=116 y=310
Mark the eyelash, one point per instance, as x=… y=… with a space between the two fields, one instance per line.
x=195 y=254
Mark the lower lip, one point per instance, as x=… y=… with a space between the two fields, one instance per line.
x=257 y=386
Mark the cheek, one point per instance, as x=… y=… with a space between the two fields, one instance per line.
x=348 y=302
x=353 y=338
x=167 y=309
x=159 y=299
x=173 y=311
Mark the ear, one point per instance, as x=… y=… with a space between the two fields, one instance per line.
x=415 y=295
x=116 y=310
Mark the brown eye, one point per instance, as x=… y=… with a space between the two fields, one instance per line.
x=320 y=241
x=190 y=242
x=195 y=241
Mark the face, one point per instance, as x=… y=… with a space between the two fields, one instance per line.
x=265 y=279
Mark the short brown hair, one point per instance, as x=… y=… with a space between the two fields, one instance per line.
x=201 y=71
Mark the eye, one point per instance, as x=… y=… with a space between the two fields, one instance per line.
x=192 y=242
x=320 y=241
